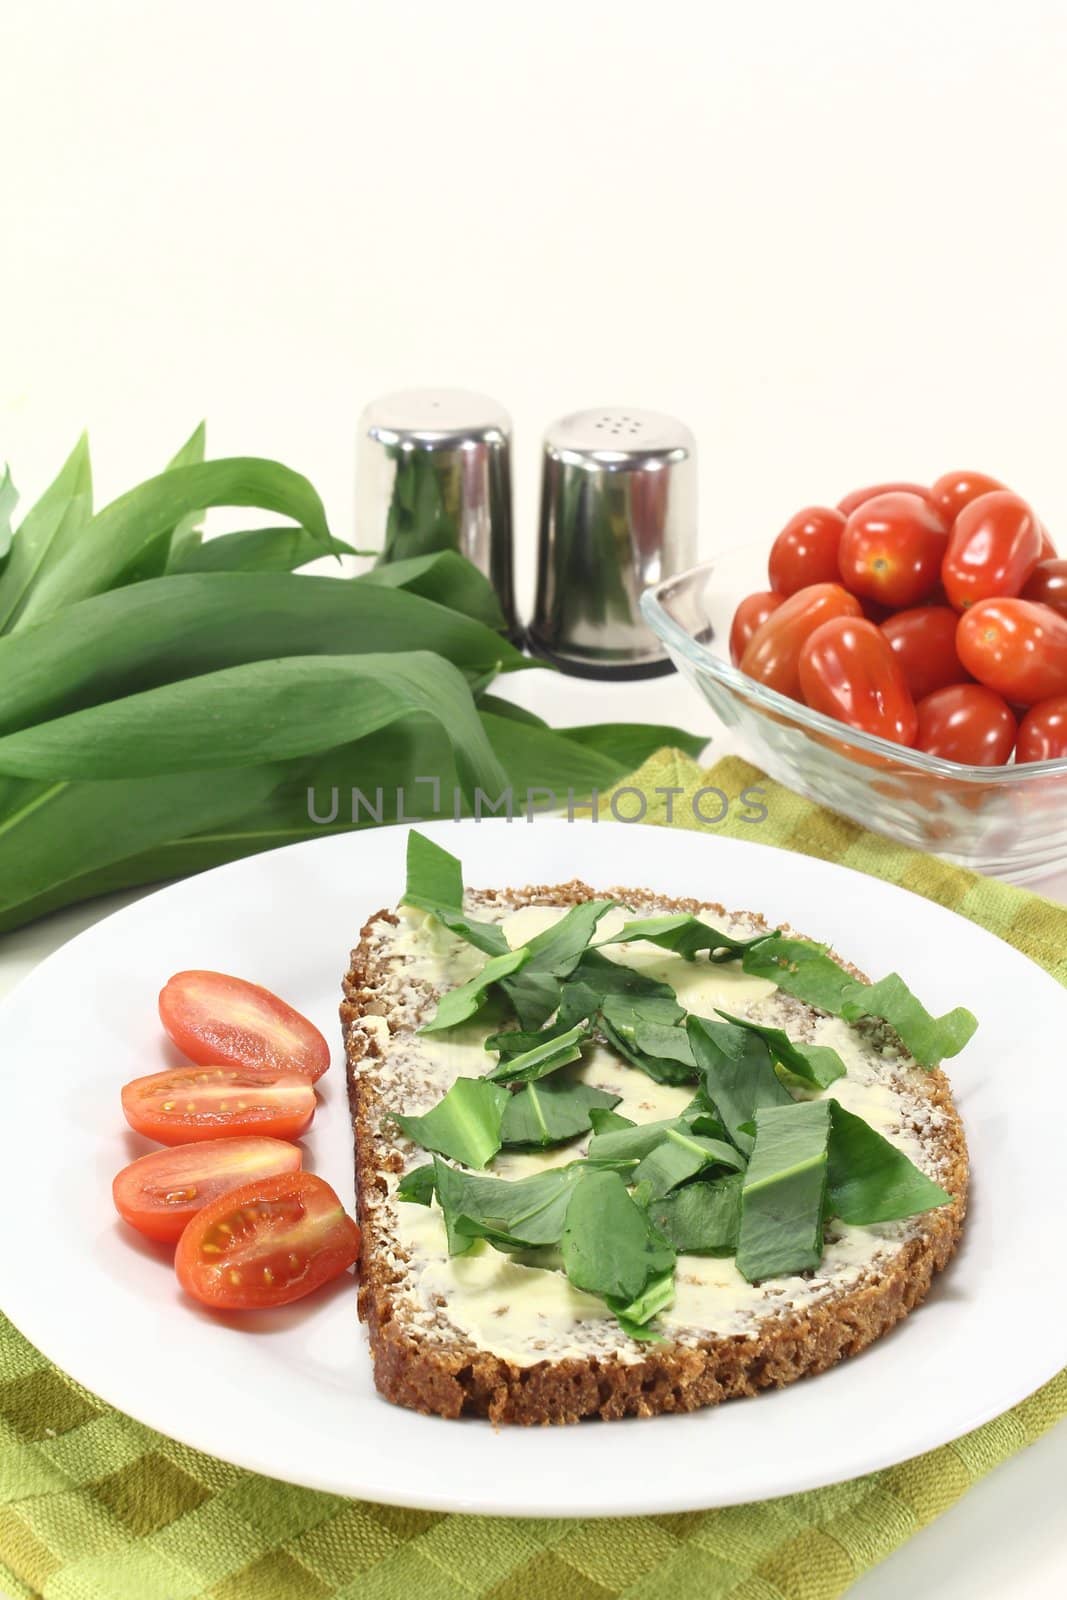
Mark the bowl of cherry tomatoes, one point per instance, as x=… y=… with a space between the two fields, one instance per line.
x=904 y=662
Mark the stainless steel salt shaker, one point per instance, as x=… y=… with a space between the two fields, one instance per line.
x=433 y=472
x=618 y=513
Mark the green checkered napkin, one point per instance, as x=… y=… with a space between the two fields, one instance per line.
x=93 y=1506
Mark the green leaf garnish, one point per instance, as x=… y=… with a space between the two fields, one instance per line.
x=519 y=1215
x=464 y=1125
x=679 y=1156
x=417 y=1185
x=738 y=1072
x=555 y=1051
x=550 y=957
x=457 y=1005
x=815 y=1064
x=783 y=1197
x=435 y=884
x=870 y=1179
x=552 y=1111
x=701 y=1218
x=684 y=935
x=809 y=973
x=635 y=1315
x=610 y=1247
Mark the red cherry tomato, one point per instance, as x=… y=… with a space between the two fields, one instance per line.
x=750 y=616
x=992 y=549
x=924 y=643
x=1043 y=732
x=957 y=489
x=1048 y=549
x=1017 y=648
x=216 y=1019
x=892 y=549
x=773 y=652
x=1047 y=585
x=189 y=1103
x=967 y=723
x=858 y=497
x=805 y=552
x=266 y=1244
x=848 y=671
x=163 y=1191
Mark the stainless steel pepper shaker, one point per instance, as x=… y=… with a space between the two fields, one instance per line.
x=433 y=472
x=618 y=513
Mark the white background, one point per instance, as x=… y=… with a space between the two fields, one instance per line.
x=832 y=237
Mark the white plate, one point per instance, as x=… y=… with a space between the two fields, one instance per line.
x=290 y=1393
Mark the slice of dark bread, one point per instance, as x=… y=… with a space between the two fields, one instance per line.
x=424 y=1361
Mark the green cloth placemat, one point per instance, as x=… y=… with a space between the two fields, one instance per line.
x=93 y=1506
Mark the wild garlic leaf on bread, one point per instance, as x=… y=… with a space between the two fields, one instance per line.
x=610 y=1246
x=551 y=1053
x=870 y=1179
x=552 y=1111
x=701 y=1218
x=464 y=1125
x=435 y=884
x=518 y=1215
x=738 y=1074
x=783 y=1197
x=817 y=1065
x=684 y=935
x=809 y=973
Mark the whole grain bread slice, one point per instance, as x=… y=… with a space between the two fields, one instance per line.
x=439 y=1370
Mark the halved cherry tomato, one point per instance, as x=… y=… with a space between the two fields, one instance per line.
x=189 y=1103
x=773 y=652
x=924 y=642
x=992 y=550
x=750 y=615
x=858 y=497
x=1047 y=584
x=266 y=1244
x=161 y=1192
x=1043 y=732
x=892 y=549
x=955 y=490
x=849 y=671
x=214 y=1018
x=805 y=552
x=1017 y=648
x=967 y=723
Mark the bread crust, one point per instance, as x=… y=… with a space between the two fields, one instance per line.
x=458 y=1378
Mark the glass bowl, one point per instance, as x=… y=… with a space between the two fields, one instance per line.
x=1008 y=821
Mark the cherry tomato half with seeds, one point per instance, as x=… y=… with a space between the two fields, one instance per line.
x=266 y=1244
x=1047 y=585
x=1017 y=648
x=750 y=615
x=924 y=643
x=892 y=549
x=218 y=1019
x=773 y=652
x=955 y=490
x=992 y=550
x=858 y=497
x=184 y=1104
x=1043 y=732
x=805 y=552
x=967 y=723
x=848 y=671
x=162 y=1192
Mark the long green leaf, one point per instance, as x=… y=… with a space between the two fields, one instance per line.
x=244 y=716
x=280 y=549
x=49 y=529
x=152 y=633
x=119 y=536
x=9 y=499
x=55 y=835
x=444 y=576
x=154 y=561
